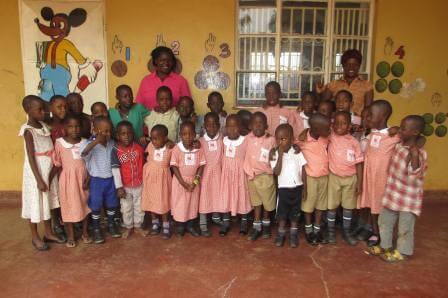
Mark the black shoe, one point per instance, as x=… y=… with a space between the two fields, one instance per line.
x=97 y=236
x=113 y=230
x=58 y=230
x=266 y=232
x=243 y=227
x=180 y=230
x=348 y=237
x=363 y=235
x=166 y=234
x=254 y=235
x=155 y=229
x=217 y=221
x=294 y=240
x=192 y=230
x=331 y=236
x=311 y=238
x=373 y=242
x=321 y=238
x=206 y=233
x=223 y=230
x=279 y=240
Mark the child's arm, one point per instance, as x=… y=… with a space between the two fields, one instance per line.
x=99 y=138
x=29 y=144
x=304 y=191
x=359 y=175
x=197 y=177
x=278 y=167
x=86 y=182
x=188 y=187
x=115 y=164
x=414 y=157
x=55 y=171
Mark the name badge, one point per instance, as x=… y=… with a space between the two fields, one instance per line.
x=212 y=146
x=190 y=159
x=283 y=119
x=350 y=155
x=158 y=155
x=264 y=155
x=75 y=153
x=375 y=141
x=230 y=151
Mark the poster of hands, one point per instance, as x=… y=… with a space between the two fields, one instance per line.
x=63 y=48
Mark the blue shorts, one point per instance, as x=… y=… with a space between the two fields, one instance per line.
x=102 y=190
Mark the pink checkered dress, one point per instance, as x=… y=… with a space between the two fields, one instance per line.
x=404 y=188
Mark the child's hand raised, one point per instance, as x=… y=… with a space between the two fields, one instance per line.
x=272 y=153
x=170 y=144
x=420 y=142
x=319 y=87
x=100 y=137
x=142 y=141
x=393 y=131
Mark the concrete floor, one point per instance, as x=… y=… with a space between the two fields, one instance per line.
x=219 y=267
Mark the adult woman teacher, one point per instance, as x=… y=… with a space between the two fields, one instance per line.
x=361 y=89
x=164 y=64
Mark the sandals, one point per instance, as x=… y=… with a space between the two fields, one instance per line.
x=43 y=247
x=375 y=250
x=392 y=256
x=70 y=243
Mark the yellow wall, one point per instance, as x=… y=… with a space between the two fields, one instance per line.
x=138 y=22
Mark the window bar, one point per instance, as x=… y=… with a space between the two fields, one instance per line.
x=291 y=14
x=277 y=38
x=328 y=59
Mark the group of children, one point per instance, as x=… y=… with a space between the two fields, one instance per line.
x=320 y=160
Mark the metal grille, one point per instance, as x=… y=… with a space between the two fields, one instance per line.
x=301 y=46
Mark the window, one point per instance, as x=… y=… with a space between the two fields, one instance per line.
x=297 y=43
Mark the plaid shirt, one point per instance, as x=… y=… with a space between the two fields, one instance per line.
x=404 y=189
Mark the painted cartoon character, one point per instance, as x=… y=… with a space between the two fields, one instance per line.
x=54 y=70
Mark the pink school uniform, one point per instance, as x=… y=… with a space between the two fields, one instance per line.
x=256 y=161
x=376 y=164
x=344 y=152
x=299 y=123
x=184 y=204
x=72 y=196
x=211 y=178
x=276 y=116
x=157 y=180
x=234 y=191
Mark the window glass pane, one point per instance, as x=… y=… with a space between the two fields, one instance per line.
x=286 y=21
x=257 y=20
x=257 y=53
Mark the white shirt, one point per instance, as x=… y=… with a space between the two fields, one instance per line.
x=305 y=119
x=292 y=164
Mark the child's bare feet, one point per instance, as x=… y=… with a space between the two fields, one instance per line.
x=50 y=237
x=126 y=233
x=142 y=232
x=86 y=239
x=39 y=244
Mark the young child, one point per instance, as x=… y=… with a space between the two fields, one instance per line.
x=39 y=191
x=185 y=108
x=261 y=183
x=315 y=199
x=126 y=109
x=403 y=196
x=234 y=190
x=326 y=108
x=127 y=169
x=157 y=180
x=274 y=112
x=376 y=163
x=215 y=102
x=97 y=109
x=302 y=115
x=245 y=117
x=344 y=103
x=73 y=180
x=345 y=178
x=164 y=114
x=212 y=145
x=187 y=165
x=75 y=106
x=58 y=109
x=97 y=153
x=288 y=166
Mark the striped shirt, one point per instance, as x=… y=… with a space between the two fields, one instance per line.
x=98 y=161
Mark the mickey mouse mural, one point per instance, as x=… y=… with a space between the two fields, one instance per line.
x=55 y=72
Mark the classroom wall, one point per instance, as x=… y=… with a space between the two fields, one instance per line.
x=137 y=23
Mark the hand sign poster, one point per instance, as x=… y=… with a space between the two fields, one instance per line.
x=63 y=48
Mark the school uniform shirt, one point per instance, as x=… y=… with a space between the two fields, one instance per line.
x=292 y=164
x=170 y=119
x=315 y=152
x=256 y=161
x=404 y=188
x=276 y=115
x=98 y=161
x=136 y=116
x=344 y=152
x=129 y=161
x=300 y=123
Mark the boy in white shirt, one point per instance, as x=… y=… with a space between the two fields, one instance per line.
x=288 y=166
